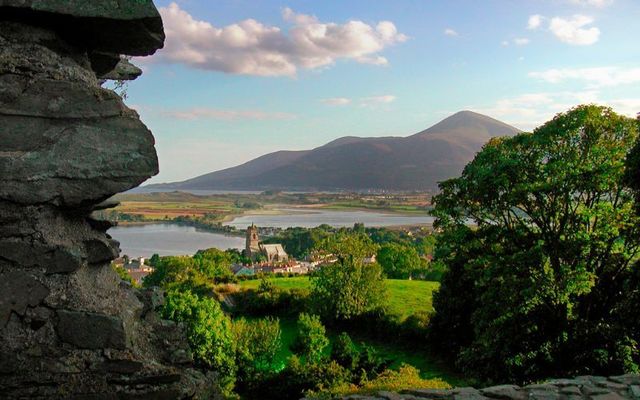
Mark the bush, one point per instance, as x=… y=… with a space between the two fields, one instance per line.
x=312 y=339
x=257 y=344
x=208 y=331
x=407 y=377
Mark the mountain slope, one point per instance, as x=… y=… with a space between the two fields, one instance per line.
x=416 y=162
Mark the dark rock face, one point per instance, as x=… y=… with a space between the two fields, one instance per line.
x=69 y=327
x=132 y=27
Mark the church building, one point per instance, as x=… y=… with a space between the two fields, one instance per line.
x=273 y=253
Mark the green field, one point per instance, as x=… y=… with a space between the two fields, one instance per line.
x=405 y=297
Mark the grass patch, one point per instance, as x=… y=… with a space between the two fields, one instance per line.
x=405 y=297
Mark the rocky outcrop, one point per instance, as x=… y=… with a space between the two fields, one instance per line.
x=69 y=327
x=581 y=388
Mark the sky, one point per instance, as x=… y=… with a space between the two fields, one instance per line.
x=241 y=78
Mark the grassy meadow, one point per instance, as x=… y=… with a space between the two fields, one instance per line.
x=405 y=297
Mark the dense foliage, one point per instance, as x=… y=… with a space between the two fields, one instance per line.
x=198 y=274
x=349 y=287
x=400 y=262
x=257 y=343
x=312 y=338
x=208 y=331
x=403 y=254
x=546 y=284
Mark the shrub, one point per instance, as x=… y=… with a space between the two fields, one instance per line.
x=312 y=339
x=208 y=331
x=257 y=344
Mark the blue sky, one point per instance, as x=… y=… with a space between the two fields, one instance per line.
x=239 y=78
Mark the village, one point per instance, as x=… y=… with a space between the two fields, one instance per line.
x=264 y=259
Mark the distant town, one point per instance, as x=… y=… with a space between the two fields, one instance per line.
x=264 y=259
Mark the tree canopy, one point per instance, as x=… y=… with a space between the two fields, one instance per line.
x=349 y=287
x=399 y=261
x=540 y=286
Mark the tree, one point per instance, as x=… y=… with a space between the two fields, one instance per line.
x=540 y=286
x=208 y=331
x=398 y=261
x=198 y=274
x=257 y=344
x=312 y=339
x=348 y=287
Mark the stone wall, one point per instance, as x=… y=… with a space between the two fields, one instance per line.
x=583 y=387
x=69 y=327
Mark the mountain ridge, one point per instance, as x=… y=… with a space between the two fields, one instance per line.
x=415 y=162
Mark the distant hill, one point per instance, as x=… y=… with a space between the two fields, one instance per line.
x=415 y=162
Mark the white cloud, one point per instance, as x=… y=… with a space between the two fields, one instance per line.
x=450 y=32
x=530 y=110
x=521 y=41
x=594 y=3
x=226 y=115
x=252 y=48
x=336 y=101
x=370 y=101
x=629 y=106
x=385 y=99
x=594 y=77
x=574 y=30
x=535 y=21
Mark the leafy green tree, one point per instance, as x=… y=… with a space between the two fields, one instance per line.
x=257 y=344
x=312 y=339
x=299 y=242
x=154 y=260
x=208 y=330
x=198 y=274
x=348 y=287
x=214 y=264
x=540 y=286
x=398 y=261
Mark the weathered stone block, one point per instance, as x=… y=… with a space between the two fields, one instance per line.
x=571 y=390
x=608 y=396
x=101 y=251
x=120 y=26
x=19 y=290
x=506 y=392
x=31 y=255
x=429 y=393
x=91 y=330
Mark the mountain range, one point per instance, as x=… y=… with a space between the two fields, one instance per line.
x=416 y=162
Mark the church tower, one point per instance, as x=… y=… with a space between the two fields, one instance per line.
x=252 y=247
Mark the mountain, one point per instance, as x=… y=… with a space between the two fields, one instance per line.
x=415 y=162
